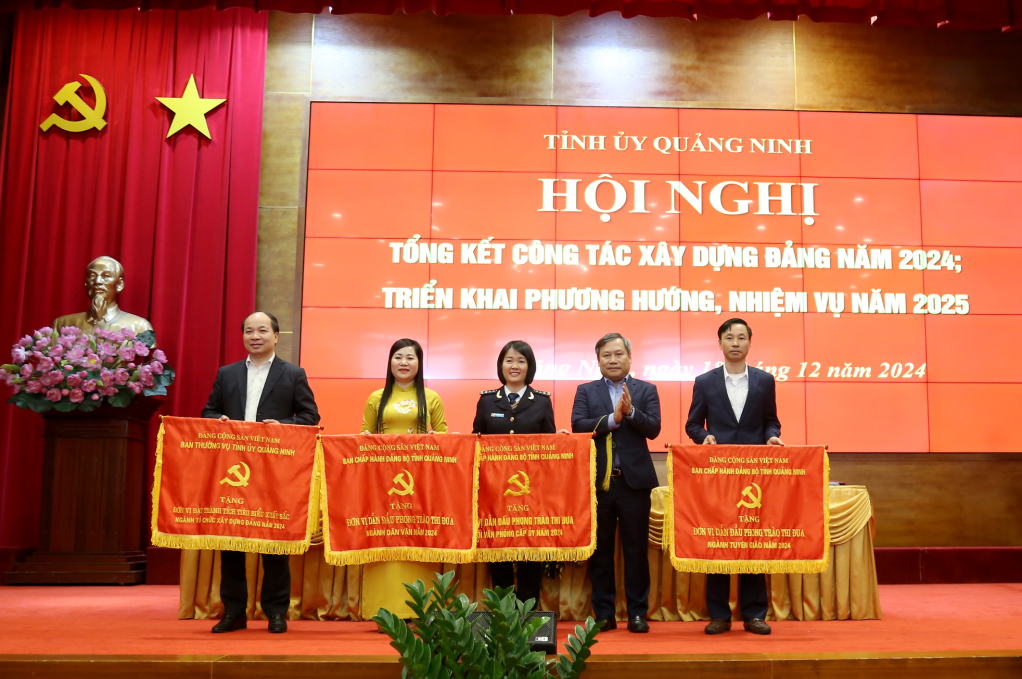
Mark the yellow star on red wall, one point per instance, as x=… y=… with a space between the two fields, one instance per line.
x=189 y=109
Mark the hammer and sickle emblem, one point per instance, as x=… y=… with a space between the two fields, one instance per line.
x=91 y=117
x=523 y=489
x=242 y=479
x=755 y=498
x=408 y=487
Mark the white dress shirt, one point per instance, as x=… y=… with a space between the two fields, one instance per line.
x=521 y=393
x=254 y=388
x=737 y=386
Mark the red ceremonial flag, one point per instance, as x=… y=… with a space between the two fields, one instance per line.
x=748 y=509
x=537 y=497
x=399 y=497
x=244 y=486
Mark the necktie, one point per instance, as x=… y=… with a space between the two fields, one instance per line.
x=513 y=400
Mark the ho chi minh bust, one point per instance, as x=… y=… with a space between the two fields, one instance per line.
x=104 y=280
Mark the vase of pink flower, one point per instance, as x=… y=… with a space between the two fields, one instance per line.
x=68 y=369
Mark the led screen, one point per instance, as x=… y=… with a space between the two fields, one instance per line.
x=873 y=255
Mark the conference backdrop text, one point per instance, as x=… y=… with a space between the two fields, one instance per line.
x=869 y=253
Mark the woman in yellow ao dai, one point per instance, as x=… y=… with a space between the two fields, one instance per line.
x=403 y=413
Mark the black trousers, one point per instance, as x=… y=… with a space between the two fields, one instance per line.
x=530 y=578
x=276 y=592
x=629 y=508
x=752 y=596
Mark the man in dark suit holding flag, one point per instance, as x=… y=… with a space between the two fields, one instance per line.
x=262 y=388
x=622 y=413
x=735 y=404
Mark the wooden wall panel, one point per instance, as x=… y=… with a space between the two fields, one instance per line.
x=707 y=63
x=920 y=500
x=846 y=67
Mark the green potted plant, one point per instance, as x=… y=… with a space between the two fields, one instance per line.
x=440 y=643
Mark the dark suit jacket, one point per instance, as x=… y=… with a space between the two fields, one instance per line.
x=711 y=411
x=494 y=415
x=592 y=402
x=286 y=396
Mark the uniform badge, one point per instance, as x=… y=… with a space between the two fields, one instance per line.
x=496 y=414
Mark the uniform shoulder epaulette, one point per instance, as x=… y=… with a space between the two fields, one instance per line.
x=490 y=391
x=545 y=393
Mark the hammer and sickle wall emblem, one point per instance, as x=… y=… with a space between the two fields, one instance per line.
x=407 y=483
x=516 y=481
x=239 y=478
x=755 y=498
x=91 y=117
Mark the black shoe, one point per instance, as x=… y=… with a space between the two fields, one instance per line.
x=230 y=623
x=608 y=624
x=278 y=624
x=718 y=626
x=637 y=624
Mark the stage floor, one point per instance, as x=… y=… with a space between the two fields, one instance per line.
x=920 y=621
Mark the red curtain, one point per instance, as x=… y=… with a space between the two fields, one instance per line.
x=975 y=14
x=180 y=214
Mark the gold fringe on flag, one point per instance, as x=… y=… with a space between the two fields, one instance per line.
x=747 y=566
x=232 y=543
x=580 y=553
x=420 y=554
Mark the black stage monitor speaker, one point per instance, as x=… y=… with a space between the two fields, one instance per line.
x=545 y=638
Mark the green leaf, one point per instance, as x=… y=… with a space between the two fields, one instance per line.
x=65 y=406
x=158 y=390
x=147 y=338
x=122 y=399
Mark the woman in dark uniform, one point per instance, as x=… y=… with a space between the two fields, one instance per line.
x=516 y=408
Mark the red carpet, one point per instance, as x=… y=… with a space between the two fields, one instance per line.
x=141 y=620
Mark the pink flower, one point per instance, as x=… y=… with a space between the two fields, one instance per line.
x=45 y=364
x=77 y=396
x=126 y=353
x=92 y=361
x=82 y=341
x=34 y=387
x=46 y=381
x=95 y=397
x=135 y=387
x=9 y=379
x=106 y=376
x=43 y=343
x=74 y=381
x=141 y=349
x=131 y=366
x=76 y=356
x=56 y=351
x=46 y=331
x=54 y=395
x=121 y=376
x=89 y=385
x=69 y=330
x=128 y=333
x=26 y=370
x=25 y=342
x=56 y=377
x=156 y=367
x=70 y=368
x=18 y=354
x=83 y=374
x=66 y=341
x=17 y=388
x=108 y=391
x=159 y=355
x=65 y=392
x=106 y=349
x=146 y=377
